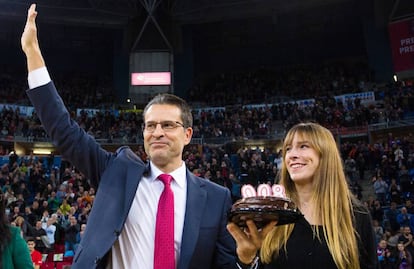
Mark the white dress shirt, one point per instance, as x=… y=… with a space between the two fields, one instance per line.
x=135 y=246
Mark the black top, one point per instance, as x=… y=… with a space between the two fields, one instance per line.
x=306 y=251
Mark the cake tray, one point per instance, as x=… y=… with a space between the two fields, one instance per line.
x=261 y=218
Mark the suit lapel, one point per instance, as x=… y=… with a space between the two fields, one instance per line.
x=196 y=199
x=134 y=175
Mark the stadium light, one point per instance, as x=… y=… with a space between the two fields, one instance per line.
x=41 y=151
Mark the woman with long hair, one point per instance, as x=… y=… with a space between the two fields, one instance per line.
x=404 y=258
x=14 y=253
x=335 y=230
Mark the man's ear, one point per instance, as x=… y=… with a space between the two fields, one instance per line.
x=188 y=135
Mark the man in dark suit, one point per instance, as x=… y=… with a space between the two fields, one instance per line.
x=120 y=230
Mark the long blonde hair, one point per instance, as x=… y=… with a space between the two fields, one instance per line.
x=331 y=196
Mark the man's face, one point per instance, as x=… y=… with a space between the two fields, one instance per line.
x=165 y=147
x=31 y=245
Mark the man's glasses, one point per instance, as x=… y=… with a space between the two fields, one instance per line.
x=167 y=125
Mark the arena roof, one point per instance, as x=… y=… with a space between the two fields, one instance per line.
x=117 y=13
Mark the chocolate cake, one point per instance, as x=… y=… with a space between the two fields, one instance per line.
x=263 y=209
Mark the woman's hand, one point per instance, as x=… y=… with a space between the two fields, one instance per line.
x=249 y=240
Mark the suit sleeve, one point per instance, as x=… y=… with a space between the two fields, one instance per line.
x=226 y=246
x=72 y=141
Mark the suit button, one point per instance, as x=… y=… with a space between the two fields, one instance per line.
x=97 y=260
x=117 y=233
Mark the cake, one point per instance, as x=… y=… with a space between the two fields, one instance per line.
x=263 y=209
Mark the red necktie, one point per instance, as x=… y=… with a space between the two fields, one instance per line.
x=164 y=254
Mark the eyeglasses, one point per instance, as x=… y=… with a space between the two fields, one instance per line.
x=167 y=125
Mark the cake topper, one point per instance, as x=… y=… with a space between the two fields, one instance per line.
x=264 y=190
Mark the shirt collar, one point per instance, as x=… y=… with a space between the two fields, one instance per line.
x=179 y=174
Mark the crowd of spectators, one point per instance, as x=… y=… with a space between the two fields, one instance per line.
x=391 y=166
x=233 y=122
x=269 y=84
x=12 y=82
x=52 y=203
x=77 y=89
x=230 y=94
x=48 y=205
x=57 y=200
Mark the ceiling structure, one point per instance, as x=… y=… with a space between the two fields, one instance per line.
x=231 y=23
x=117 y=13
x=293 y=28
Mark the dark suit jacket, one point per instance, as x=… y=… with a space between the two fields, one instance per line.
x=205 y=242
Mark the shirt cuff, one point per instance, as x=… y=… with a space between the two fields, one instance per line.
x=38 y=77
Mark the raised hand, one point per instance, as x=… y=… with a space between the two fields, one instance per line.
x=29 y=41
x=29 y=37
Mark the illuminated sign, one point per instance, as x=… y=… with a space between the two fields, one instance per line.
x=151 y=78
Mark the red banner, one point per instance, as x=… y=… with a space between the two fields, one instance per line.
x=402 y=44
